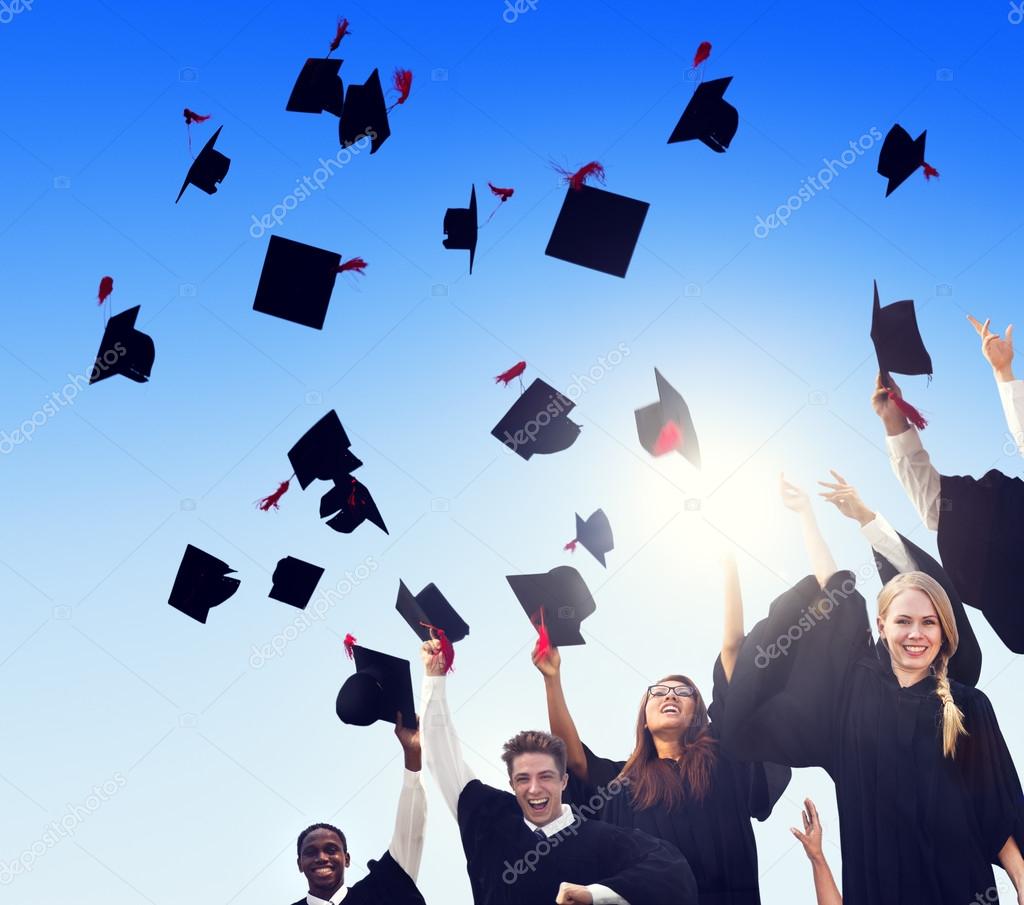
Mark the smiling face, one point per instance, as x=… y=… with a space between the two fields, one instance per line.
x=671 y=713
x=912 y=631
x=323 y=860
x=538 y=785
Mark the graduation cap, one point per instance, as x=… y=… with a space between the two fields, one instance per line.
x=561 y=596
x=352 y=505
x=460 y=227
x=296 y=282
x=380 y=687
x=207 y=170
x=318 y=89
x=323 y=452
x=295 y=581
x=538 y=422
x=430 y=606
x=595 y=534
x=900 y=156
x=596 y=228
x=708 y=117
x=365 y=113
x=201 y=584
x=666 y=425
x=899 y=349
x=124 y=350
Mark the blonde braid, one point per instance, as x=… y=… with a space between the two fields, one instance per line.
x=952 y=717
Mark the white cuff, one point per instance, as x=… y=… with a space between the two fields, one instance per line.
x=602 y=895
x=411 y=780
x=903 y=445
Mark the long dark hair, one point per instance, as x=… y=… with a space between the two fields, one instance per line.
x=652 y=780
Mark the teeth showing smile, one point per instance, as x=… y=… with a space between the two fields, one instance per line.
x=670 y=708
x=538 y=803
x=915 y=650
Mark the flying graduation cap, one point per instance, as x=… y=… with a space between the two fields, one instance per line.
x=124 y=350
x=365 y=113
x=294 y=581
x=899 y=349
x=900 y=156
x=596 y=228
x=538 y=422
x=319 y=88
x=380 y=687
x=431 y=616
x=709 y=117
x=201 y=584
x=460 y=226
x=207 y=170
x=558 y=601
x=595 y=533
x=666 y=425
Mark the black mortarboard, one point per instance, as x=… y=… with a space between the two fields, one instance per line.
x=538 y=422
x=124 y=350
x=562 y=595
x=432 y=607
x=201 y=584
x=365 y=111
x=296 y=282
x=897 y=339
x=708 y=117
x=295 y=581
x=597 y=229
x=353 y=505
x=900 y=156
x=595 y=533
x=380 y=687
x=666 y=425
x=460 y=227
x=322 y=453
x=318 y=89
x=207 y=170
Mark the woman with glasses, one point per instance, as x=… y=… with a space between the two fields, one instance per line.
x=677 y=784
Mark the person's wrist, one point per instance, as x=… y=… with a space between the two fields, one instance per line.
x=895 y=424
x=1004 y=374
x=552 y=679
x=865 y=517
x=413 y=759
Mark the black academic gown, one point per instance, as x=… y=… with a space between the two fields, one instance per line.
x=981 y=542
x=509 y=865
x=714 y=835
x=916 y=827
x=386 y=884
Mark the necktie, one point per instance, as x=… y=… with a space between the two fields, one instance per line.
x=540 y=834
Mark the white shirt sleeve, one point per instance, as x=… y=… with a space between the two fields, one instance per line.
x=884 y=539
x=602 y=895
x=441 y=750
x=407 y=843
x=912 y=465
x=1011 y=394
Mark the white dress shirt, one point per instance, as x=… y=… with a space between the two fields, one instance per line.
x=443 y=756
x=884 y=540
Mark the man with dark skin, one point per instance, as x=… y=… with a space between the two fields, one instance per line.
x=323 y=854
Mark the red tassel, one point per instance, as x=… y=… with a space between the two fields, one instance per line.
x=503 y=194
x=929 y=170
x=447 y=648
x=571 y=546
x=911 y=413
x=191 y=117
x=576 y=180
x=703 y=52
x=403 y=84
x=352 y=496
x=350 y=642
x=358 y=265
x=341 y=32
x=511 y=374
x=543 y=644
x=106 y=287
x=669 y=439
x=271 y=502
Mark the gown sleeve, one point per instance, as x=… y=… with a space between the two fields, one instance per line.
x=386 y=882
x=644 y=870
x=991 y=777
x=791 y=672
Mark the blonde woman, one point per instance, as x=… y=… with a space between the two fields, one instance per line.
x=927 y=792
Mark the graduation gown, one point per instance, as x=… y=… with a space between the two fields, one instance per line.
x=385 y=883
x=981 y=533
x=916 y=827
x=714 y=835
x=965 y=665
x=509 y=865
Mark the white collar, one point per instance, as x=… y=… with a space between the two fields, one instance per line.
x=549 y=829
x=333 y=900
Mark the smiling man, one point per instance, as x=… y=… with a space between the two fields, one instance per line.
x=529 y=847
x=323 y=854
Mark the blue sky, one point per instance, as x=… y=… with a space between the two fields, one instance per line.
x=213 y=757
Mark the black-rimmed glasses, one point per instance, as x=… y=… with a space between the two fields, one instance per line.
x=659 y=691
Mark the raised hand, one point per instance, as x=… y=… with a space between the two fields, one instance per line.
x=810 y=838
x=549 y=663
x=998 y=351
x=409 y=738
x=433 y=659
x=894 y=420
x=792 y=496
x=845 y=498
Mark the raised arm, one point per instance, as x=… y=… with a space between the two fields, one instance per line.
x=550 y=666
x=410 y=822
x=825 y=888
x=732 y=629
x=998 y=352
x=822 y=563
